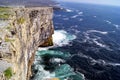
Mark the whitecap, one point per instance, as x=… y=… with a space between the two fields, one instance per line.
x=65 y=18
x=74 y=16
x=69 y=10
x=80 y=13
x=58 y=15
x=61 y=37
x=117 y=26
x=80 y=19
x=94 y=61
x=96 y=31
x=98 y=43
x=94 y=16
x=77 y=31
x=114 y=64
x=103 y=62
x=107 y=21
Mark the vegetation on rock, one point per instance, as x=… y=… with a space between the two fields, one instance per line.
x=4 y=13
x=9 y=40
x=8 y=73
x=21 y=20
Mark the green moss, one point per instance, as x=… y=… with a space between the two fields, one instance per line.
x=21 y=20
x=9 y=40
x=8 y=73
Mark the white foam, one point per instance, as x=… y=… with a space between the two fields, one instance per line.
x=42 y=74
x=61 y=37
x=58 y=60
x=95 y=39
x=117 y=26
x=80 y=13
x=58 y=15
x=103 y=62
x=107 y=21
x=65 y=18
x=98 y=43
x=114 y=64
x=94 y=16
x=80 y=19
x=77 y=31
x=96 y=31
x=74 y=16
x=69 y=10
x=44 y=48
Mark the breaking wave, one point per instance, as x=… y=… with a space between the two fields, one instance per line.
x=61 y=37
x=51 y=64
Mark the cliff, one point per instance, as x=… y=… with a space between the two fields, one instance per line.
x=22 y=30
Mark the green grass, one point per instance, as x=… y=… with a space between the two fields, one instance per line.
x=9 y=40
x=8 y=73
x=4 y=16
x=8 y=27
x=4 y=8
x=4 y=13
x=21 y=20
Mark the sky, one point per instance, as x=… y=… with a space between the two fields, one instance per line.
x=105 y=2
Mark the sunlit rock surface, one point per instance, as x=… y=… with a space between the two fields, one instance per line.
x=22 y=30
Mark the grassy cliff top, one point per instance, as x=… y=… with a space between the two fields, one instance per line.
x=4 y=13
x=27 y=2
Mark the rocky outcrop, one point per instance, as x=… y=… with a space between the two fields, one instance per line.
x=27 y=28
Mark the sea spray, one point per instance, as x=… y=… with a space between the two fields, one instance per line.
x=61 y=38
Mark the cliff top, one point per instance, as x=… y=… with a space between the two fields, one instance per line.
x=27 y=3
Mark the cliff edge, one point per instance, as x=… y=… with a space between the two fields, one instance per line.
x=22 y=30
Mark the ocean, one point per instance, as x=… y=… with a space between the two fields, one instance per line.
x=86 y=44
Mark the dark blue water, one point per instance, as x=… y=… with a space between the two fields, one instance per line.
x=94 y=52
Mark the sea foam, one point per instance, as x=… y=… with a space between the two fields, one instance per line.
x=69 y=10
x=96 y=31
x=61 y=37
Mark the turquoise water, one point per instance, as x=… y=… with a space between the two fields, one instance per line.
x=51 y=63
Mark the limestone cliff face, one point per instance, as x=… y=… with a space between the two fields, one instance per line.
x=27 y=29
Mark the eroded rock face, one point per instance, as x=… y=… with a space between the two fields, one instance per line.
x=28 y=29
